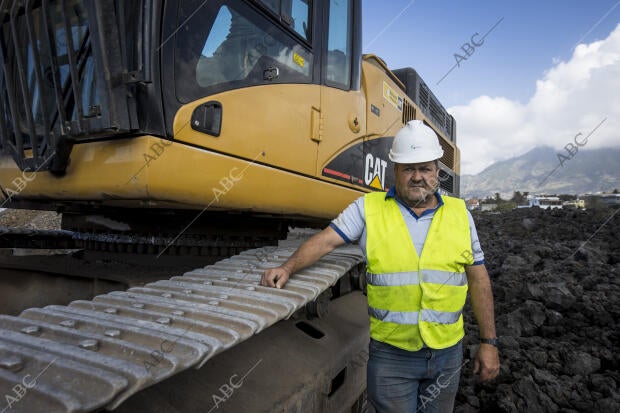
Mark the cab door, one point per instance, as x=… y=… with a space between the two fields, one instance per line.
x=246 y=75
x=343 y=105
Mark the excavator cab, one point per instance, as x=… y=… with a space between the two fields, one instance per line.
x=64 y=78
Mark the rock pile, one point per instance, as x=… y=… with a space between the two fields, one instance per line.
x=556 y=282
x=26 y=218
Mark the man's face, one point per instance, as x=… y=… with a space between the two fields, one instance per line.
x=416 y=183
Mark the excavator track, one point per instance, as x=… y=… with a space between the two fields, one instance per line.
x=199 y=245
x=93 y=355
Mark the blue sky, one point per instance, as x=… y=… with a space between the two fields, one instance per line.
x=514 y=55
x=524 y=70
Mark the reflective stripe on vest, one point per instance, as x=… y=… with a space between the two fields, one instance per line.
x=411 y=317
x=411 y=278
x=416 y=300
x=393 y=279
x=444 y=277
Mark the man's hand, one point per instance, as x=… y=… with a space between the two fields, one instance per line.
x=308 y=253
x=487 y=362
x=275 y=277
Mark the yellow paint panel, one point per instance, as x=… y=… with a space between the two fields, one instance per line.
x=228 y=183
x=148 y=172
x=336 y=108
x=97 y=170
x=272 y=119
x=389 y=120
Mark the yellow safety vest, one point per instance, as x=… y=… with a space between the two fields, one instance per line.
x=414 y=300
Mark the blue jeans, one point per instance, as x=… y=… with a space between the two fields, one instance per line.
x=401 y=381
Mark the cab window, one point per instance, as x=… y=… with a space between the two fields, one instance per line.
x=295 y=13
x=228 y=45
x=338 y=71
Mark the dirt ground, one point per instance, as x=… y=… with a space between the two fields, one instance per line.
x=556 y=282
x=26 y=218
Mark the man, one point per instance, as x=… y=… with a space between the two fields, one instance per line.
x=422 y=254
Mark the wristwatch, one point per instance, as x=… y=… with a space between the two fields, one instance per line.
x=491 y=341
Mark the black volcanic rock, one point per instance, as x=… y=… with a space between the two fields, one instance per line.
x=556 y=281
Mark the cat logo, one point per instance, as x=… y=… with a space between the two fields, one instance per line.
x=374 y=173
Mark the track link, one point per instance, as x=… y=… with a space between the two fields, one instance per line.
x=95 y=354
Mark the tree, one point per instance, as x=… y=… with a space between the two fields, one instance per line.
x=517 y=198
x=594 y=202
x=506 y=206
x=498 y=198
x=566 y=197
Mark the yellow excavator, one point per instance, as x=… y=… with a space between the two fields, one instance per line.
x=167 y=104
x=134 y=118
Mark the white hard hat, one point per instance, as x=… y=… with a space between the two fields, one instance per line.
x=415 y=143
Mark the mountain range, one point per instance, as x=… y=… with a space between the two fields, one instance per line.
x=545 y=170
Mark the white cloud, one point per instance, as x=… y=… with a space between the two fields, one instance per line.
x=572 y=97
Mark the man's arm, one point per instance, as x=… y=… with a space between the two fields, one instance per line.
x=307 y=254
x=487 y=359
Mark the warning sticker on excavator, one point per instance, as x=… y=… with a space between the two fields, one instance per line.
x=299 y=59
x=391 y=96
